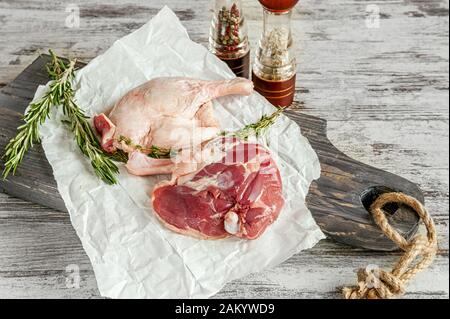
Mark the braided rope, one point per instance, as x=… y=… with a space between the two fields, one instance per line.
x=381 y=284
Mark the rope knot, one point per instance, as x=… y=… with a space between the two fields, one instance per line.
x=375 y=283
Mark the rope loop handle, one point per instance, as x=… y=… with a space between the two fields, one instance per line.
x=380 y=284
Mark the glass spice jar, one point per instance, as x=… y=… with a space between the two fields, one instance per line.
x=228 y=38
x=274 y=69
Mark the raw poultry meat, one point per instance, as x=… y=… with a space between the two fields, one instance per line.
x=227 y=187
x=235 y=191
x=171 y=113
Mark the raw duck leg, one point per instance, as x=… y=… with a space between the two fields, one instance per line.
x=205 y=116
x=140 y=164
x=170 y=113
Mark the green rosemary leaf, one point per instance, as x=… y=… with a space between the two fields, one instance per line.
x=28 y=133
x=255 y=129
x=102 y=163
x=160 y=153
x=119 y=156
x=153 y=152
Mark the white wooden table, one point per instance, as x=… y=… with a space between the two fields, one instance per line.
x=381 y=84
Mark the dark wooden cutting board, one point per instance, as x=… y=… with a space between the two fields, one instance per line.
x=338 y=200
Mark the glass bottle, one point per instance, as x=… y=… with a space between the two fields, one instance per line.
x=274 y=69
x=228 y=38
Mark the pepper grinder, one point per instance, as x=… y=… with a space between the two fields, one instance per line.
x=228 y=38
x=274 y=69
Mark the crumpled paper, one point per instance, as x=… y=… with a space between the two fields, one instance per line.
x=133 y=255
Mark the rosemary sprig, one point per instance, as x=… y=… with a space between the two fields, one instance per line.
x=60 y=93
x=153 y=152
x=255 y=129
x=103 y=165
x=159 y=152
x=118 y=156
x=38 y=112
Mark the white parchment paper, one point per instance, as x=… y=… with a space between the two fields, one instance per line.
x=132 y=254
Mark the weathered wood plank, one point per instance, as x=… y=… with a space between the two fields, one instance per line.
x=359 y=79
x=35 y=257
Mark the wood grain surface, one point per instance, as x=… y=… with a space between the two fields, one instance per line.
x=339 y=201
x=384 y=92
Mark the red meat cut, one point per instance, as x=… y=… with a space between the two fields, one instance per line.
x=238 y=193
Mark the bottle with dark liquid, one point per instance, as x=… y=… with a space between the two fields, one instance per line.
x=275 y=68
x=228 y=38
